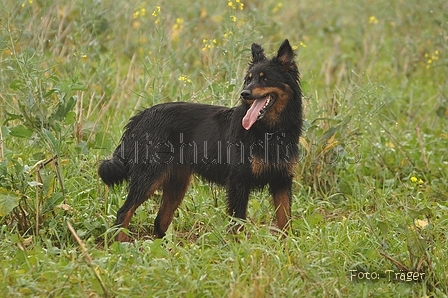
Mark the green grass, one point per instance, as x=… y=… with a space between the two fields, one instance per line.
x=376 y=110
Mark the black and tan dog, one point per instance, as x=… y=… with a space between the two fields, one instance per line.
x=241 y=148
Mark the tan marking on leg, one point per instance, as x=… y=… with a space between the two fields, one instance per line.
x=282 y=208
x=166 y=211
x=122 y=237
x=174 y=190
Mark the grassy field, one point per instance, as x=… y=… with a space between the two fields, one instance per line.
x=370 y=203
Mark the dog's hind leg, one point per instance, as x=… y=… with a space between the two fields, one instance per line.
x=174 y=188
x=139 y=192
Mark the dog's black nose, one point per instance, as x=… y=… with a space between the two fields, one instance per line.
x=245 y=93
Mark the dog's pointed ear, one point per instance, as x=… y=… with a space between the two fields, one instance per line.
x=285 y=56
x=257 y=53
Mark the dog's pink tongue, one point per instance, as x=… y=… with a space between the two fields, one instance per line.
x=252 y=114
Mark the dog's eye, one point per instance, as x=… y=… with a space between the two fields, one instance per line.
x=265 y=79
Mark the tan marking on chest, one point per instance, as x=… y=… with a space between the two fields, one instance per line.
x=259 y=167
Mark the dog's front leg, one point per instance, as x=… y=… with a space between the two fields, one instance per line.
x=281 y=195
x=237 y=199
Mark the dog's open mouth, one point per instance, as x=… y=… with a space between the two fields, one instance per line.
x=257 y=110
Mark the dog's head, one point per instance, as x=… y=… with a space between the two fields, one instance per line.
x=269 y=85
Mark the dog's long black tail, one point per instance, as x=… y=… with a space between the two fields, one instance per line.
x=113 y=171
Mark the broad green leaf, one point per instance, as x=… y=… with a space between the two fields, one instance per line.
x=64 y=108
x=16 y=84
x=383 y=227
x=50 y=138
x=69 y=105
x=5 y=131
x=20 y=131
x=8 y=201
x=70 y=117
x=51 y=91
x=53 y=201
x=12 y=117
x=78 y=87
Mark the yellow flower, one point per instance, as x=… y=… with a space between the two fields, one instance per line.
x=277 y=7
x=435 y=56
x=430 y=58
x=233 y=6
x=233 y=18
x=156 y=11
x=227 y=34
x=390 y=144
x=179 y=24
x=209 y=44
x=241 y=5
x=141 y=12
x=416 y=180
x=184 y=79
x=29 y=2
x=373 y=20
